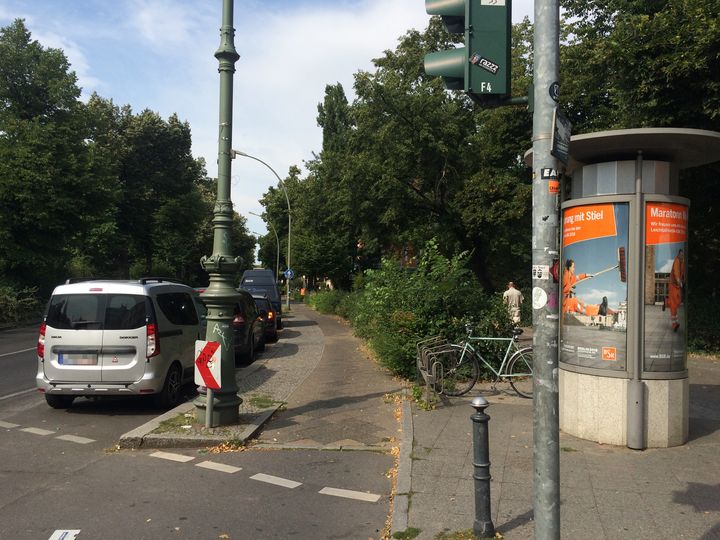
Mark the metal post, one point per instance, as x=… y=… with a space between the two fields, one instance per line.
x=483 y=526
x=545 y=247
x=287 y=199
x=209 y=408
x=221 y=295
x=635 y=430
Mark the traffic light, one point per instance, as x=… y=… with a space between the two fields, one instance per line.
x=482 y=67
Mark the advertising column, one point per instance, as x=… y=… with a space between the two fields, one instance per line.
x=593 y=320
x=665 y=278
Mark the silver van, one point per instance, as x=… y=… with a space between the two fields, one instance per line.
x=110 y=337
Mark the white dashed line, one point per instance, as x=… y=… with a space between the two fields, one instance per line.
x=37 y=431
x=8 y=425
x=218 y=467
x=172 y=457
x=275 y=480
x=65 y=534
x=75 y=439
x=357 y=495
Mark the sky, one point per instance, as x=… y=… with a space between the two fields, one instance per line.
x=159 y=55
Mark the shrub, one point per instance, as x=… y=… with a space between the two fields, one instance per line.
x=394 y=307
x=18 y=306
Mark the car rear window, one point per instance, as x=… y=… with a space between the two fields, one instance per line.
x=97 y=311
x=263 y=303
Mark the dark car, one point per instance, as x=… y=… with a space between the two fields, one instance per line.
x=248 y=328
x=262 y=282
x=268 y=315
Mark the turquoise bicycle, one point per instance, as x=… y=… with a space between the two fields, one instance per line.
x=456 y=366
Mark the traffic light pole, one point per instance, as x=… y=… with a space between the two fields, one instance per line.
x=546 y=301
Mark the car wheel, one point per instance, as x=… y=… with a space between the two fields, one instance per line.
x=279 y=323
x=59 y=402
x=261 y=347
x=273 y=337
x=169 y=396
x=250 y=357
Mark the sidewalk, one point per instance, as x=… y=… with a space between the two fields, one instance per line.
x=606 y=491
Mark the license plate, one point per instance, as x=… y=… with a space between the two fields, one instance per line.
x=81 y=359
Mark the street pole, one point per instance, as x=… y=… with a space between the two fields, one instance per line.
x=545 y=248
x=221 y=296
x=287 y=199
x=277 y=241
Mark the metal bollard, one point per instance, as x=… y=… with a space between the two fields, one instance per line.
x=483 y=526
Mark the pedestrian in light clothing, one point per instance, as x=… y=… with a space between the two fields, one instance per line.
x=512 y=298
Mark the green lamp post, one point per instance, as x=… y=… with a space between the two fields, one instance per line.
x=221 y=295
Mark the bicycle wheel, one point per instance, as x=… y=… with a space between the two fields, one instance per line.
x=520 y=369
x=460 y=371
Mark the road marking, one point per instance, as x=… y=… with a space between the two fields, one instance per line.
x=357 y=495
x=172 y=457
x=16 y=352
x=283 y=482
x=218 y=467
x=38 y=431
x=75 y=438
x=65 y=534
x=20 y=393
x=8 y=425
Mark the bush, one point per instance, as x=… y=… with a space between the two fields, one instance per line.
x=19 y=306
x=398 y=307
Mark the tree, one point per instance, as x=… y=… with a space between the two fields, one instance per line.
x=47 y=195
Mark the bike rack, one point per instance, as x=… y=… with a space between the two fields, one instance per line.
x=431 y=370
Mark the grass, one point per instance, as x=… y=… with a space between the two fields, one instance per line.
x=262 y=401
x=407 y=534
x=176 y=423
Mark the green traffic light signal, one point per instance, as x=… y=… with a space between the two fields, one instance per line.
x=482 y=67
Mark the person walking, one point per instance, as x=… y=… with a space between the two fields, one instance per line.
x=512 y=298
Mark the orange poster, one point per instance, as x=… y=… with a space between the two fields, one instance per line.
x=590 y=222
x=665 y=223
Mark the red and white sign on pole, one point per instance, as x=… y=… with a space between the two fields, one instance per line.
x=207 y=364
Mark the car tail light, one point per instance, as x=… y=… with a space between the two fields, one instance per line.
x=238 y=320
x=271 y=315
x=153 y=341
x=41 y=342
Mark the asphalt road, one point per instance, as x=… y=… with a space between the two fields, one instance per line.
x=65 y=478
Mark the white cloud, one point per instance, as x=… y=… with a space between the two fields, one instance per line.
x=75 y=55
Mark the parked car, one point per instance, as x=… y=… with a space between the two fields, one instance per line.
x=247 y=325
x=112 y=337
x=263 y=282
x=268 y=315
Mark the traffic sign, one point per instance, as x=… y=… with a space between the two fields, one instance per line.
x=207 y=364
x=289 y=273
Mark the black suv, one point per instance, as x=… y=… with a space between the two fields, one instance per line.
x=262 y=282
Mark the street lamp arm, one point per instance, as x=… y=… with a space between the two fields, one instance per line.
x=234 y=154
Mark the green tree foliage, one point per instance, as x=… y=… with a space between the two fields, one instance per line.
x=94 y=189
x=46 y=191
x=407 y=161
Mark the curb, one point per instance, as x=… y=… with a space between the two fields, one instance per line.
x=401 y=501
x=143 y=436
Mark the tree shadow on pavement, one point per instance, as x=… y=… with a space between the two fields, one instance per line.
x=321 y=406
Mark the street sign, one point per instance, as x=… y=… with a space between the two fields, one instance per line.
x=560 y=140
x=207 y=364
x=289 y=273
